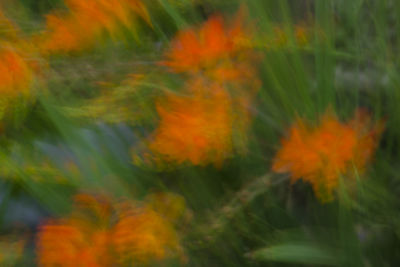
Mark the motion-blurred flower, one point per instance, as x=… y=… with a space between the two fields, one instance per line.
x=212 y=45
x=87 y=21
x=78 y=240
x=320 y=155
x=16 y=76
x=194 y=128
x=143 y=235
x=101 y=233
x=20 y=69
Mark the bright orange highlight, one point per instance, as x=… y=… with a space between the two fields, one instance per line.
x=320 y=155
x=196 y=128
x=87 y=21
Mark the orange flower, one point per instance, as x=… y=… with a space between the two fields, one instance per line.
x=191 y=51
x=87 y=21
x=98 y=233
x=69 y=244
x=142 y=235
x=62 y=36
x=320 y=155
x=195 y=128
x=16 y=76
x=80 y=240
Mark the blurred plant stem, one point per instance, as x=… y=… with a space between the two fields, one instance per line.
x=215 y=225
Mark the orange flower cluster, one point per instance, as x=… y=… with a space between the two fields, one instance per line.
x=98 y=233
x=200 y=126
x=195 y=128
x=87 y=21
x=320 y=155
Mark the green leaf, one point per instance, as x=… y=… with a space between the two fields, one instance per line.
x=303 y=253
